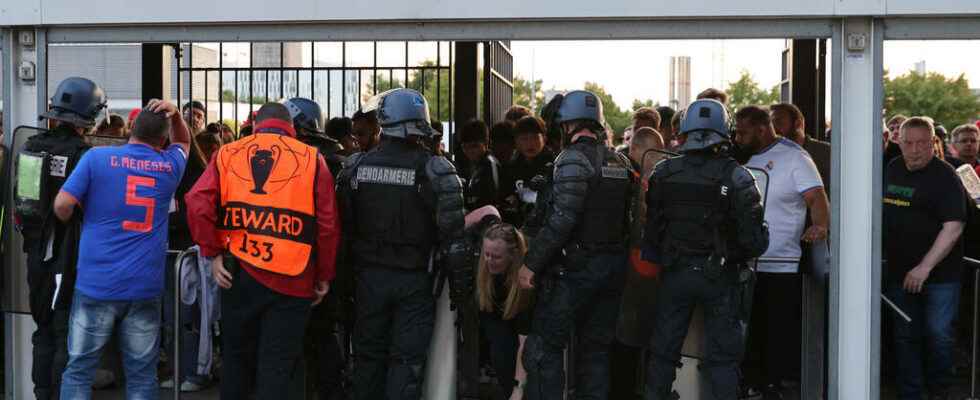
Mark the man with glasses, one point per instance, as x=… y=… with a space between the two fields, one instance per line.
x=966 y=144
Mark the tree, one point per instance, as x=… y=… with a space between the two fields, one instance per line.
x=948 y=101
x=746 y=91
x=617 y=118
x=525 y=91
x=637 y=104
x=436 y=92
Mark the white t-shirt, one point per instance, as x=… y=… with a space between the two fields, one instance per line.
x=791 y=174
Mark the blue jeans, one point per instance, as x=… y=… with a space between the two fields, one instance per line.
x=92 y=323
x=932 y=312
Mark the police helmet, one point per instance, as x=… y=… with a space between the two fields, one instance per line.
x=307 y=115
x=401 y=113
x=706 y=124
x=77 y=101
x=580 y=105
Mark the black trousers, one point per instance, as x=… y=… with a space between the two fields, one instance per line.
x=50 y=340
x=395 y=319
x=681 y=289
x=774 y=343
x=50 y=354
x=502 y=342
x=586 y=296
x=260 y=327
x=325 y=358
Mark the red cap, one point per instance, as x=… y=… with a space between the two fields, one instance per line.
x=133 y=114
x=249 y=119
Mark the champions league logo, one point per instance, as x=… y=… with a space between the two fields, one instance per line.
x=268 y=168
x=262 y=163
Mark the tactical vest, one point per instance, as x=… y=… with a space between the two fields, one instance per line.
x=267 y=211
x=605 y=223
x=41 y=167
x=696 y=207
x=394 y=224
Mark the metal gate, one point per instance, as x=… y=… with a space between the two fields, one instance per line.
x=498 y=81
x=232 y=79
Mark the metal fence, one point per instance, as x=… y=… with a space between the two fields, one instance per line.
x=498 y=82
x=233 y=79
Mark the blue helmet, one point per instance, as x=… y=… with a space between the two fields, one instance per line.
x=306 y=115
x=580 y=105
x=706 y=124
x=77 y=101
x=401 y=113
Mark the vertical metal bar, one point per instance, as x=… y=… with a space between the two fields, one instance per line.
x=439 y=80
x=251 y=77
x=176 y=379
x=221 y=81
x=406 y=64
x=282 y=72
x=973 y=347
x=343 y=79
x=179 y=55
x=235 y=104
x=190 y=77
x=41 y=68
x=313 y=74
x=452 y=126
x=856 y=267
x=374 y=71
x=205 y=97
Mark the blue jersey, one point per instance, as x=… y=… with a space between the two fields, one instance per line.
x=125 y=193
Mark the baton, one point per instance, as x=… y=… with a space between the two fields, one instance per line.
x=895 y=308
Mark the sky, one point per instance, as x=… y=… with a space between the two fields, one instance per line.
x=639 y=69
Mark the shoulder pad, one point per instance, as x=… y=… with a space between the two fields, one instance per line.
x=741 y=177
x=572 y=157
x=572 y=165
x=665 y=167
x=438 y=166
x=353 y=160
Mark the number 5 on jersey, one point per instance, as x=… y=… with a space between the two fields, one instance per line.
x=132 y=182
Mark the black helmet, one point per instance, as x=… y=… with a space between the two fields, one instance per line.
x=306 y=115
x=77 y=101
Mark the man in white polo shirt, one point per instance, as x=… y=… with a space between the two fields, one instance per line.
x=794 y=188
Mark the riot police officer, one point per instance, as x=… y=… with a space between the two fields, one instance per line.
x=704 y=220
x=399 y=203
x=324 y=357
x=52 y=247
x=577 y=258
x=309 y=123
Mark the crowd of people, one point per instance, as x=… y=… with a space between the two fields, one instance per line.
x=326 y=243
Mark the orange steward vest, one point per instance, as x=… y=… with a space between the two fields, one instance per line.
x=266 y=214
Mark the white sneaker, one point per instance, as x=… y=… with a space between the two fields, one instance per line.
x=189 y=386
